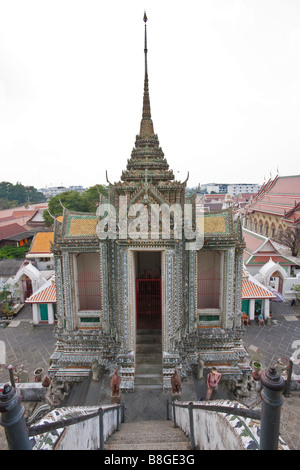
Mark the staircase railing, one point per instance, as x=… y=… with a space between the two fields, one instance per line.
x=269 y=415
x=244 y=412
x=18 y=434
x=69 y=421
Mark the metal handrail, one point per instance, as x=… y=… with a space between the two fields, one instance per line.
x=245 y=412
x=64 y=422
x=235 y=410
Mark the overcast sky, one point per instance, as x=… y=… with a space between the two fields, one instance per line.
x=224 y=80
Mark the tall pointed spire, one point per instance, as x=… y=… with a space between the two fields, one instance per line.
x=147 y=163
x=146 y=123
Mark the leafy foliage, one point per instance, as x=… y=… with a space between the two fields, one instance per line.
x=13 y=195
x=12 y=252
x=87 y=201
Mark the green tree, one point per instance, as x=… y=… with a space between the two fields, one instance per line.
x=12 y=195
x=92 y=196
x=87 y=201
x=13 y=252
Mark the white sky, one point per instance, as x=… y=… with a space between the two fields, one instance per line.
x=224 y=79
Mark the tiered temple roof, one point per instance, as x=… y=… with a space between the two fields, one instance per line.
x=148 y=163
x=279 y=196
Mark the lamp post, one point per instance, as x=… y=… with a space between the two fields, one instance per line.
x=12 y=418
x=273 y=385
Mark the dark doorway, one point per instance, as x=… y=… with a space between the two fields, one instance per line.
x=148 y=290
x=27 y=287
x=148 y=303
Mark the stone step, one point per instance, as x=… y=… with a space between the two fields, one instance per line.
x=148 y=342
x=148 y=367
x=150 y=446
x=150 y=379
x=149 y=436
x=148 y=387
x=148 y=359
x=148 y=348
x=151 y=338
x=143 y=435
x=147 y=376
x=142 y=368
x=148 y=331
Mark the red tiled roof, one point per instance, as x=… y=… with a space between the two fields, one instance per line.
x=48 y=295
x=10 y=230
x=5 y=219
x=286 y=185
x=251 y=290
x=280 y=196
x=218 y=196
x=261 y=260
x=25 y=213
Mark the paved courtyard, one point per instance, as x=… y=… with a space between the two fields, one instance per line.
x=32 y=346
x=280 y=339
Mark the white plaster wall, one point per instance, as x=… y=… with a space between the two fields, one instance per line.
x=288 y=283
x=86 y=435
x=212 y=431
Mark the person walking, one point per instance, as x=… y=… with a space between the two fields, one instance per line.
x=212 y=381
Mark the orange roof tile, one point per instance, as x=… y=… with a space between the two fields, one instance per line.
x=251 y=290
x=42 y=242
x=48 y=295
x=82 y=225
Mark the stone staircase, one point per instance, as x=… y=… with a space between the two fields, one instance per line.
x=148 y=435
x=148 y=362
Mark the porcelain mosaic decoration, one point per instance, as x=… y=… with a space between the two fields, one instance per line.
x=97 y=297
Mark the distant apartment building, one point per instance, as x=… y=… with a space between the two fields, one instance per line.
x=55 y=190
x=235 y=189
x=232 y=189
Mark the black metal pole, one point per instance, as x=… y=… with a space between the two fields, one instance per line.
x=289 y=377
x=273 y=385
x=11 y=376
x=12 y=418
x=118 y=418
x=123 y=412
x=101 y=430
x=168 y=411
x=174 y=415
x=192 y=435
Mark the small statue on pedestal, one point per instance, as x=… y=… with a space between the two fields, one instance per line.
x=200 y=367
x=95 y=371
x=56 y=393
x=115 y=382
x=176 y=385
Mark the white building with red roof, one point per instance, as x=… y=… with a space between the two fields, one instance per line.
x=43 y=303
x=268 y=265
x=255 y=297
x=259 y=250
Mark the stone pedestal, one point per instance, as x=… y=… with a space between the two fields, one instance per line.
x=176 y=396
x=115 y=399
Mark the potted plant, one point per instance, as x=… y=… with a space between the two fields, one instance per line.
x=38 y=374
x=257 y=366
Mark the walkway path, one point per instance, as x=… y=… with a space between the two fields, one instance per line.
x=33 y=346
x=148 y=435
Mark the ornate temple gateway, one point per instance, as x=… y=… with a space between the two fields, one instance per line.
x=131 y=273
